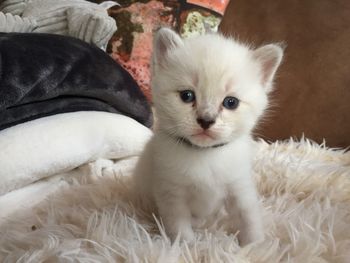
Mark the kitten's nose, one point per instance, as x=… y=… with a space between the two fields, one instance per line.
x=205 y=123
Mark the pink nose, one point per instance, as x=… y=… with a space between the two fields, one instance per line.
x=205 y=123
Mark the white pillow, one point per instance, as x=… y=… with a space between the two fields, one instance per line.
x=58 y=143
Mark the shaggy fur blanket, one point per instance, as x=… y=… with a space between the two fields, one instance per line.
x=304 y=189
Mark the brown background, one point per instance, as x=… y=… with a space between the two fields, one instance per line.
x=312 y=94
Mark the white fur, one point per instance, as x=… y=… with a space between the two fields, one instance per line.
x=304 y=189
x=190 y=184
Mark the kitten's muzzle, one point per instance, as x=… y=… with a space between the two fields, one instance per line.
x=205 y=123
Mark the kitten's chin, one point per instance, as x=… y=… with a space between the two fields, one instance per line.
x=199 y=140
x=203 y=141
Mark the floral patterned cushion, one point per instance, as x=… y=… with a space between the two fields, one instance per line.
x=131 y=45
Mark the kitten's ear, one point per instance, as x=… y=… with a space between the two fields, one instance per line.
x=269 y=57
x=164 y=40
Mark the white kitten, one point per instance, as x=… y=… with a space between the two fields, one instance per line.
x=208 y=93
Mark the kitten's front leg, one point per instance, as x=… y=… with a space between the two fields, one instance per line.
x=243 y=202
x=175 y=214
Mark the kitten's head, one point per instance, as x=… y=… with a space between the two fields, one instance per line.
x=210 y=90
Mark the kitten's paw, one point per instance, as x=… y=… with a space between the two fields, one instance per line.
x=184 y=235
x=187 y=236
x=247 y=237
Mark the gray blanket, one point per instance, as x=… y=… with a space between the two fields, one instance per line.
x=43 y=74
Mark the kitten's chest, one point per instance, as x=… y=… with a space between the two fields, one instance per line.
x=211 y=168
x=202 y=177
x=201 y=180
x=197 y=177
x=204 y=200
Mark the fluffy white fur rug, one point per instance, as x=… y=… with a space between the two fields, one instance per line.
x=305 y=192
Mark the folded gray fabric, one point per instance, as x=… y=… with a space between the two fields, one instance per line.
x=78 y=18
x=44 y=74
x=15 y=23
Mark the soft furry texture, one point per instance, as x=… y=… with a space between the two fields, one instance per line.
x=209 y=92
x=58 y=143
x=304 y=189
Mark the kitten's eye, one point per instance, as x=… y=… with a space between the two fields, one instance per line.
x=187 y=96
x=230 y=103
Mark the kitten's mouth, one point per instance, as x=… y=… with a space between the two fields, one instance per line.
x=204 y=135
x=200 y=140
x=203 y=139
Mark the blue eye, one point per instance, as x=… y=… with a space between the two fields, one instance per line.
x=187 y=96
x=230 y=103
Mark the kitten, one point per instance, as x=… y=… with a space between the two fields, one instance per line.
x=208 y=93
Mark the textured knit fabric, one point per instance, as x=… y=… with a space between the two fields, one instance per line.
x=78 y=18
x=43 y=74
x=15 y=23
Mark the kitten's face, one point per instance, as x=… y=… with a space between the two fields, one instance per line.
x=210 y=90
